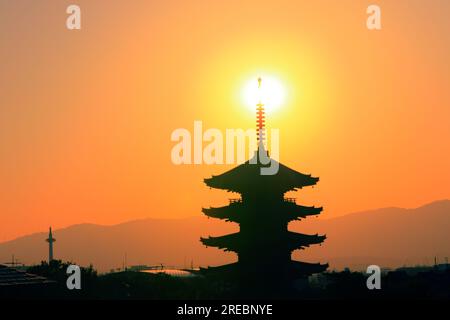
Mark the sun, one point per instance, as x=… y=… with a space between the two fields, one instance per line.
x=271 y=93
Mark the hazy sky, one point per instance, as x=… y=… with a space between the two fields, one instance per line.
x=86 y=116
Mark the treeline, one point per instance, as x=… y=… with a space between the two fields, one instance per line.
x=399 y=284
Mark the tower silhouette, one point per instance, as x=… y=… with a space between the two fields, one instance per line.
x=50 y=241
x=263 y=244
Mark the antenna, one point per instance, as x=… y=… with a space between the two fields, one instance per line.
x=13 y=263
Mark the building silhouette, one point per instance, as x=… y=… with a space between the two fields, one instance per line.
x=16 y=283
x=263 y=244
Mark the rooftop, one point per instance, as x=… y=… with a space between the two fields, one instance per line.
x=12 y=277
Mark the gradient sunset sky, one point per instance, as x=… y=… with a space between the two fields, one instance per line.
x=86 y=116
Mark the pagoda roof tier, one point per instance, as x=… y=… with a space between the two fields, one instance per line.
x=237 y=241
x=301 y=241
x=229 y=242
x=296 y=268
x=248 y=177
x=226 y=268
x=236 y=212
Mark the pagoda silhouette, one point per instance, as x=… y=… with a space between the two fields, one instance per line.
x=263 y=244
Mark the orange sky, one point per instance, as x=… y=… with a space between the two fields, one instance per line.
x=86 y=116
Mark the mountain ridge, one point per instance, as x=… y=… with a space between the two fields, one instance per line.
x=388 y=236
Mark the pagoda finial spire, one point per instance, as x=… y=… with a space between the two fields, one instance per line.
x=260 y=117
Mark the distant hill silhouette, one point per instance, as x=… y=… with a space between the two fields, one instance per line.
x=387 y=237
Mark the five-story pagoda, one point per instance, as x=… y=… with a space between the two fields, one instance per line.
x=263 y=244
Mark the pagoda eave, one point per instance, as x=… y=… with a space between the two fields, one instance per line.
x=220 y=270
x=212 y=213
x=287 y=210
x=226 y=243
x=301 y=241
x=296 y=269
x=247 y=177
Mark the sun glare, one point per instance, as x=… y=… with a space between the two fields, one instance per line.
x=271 y=93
